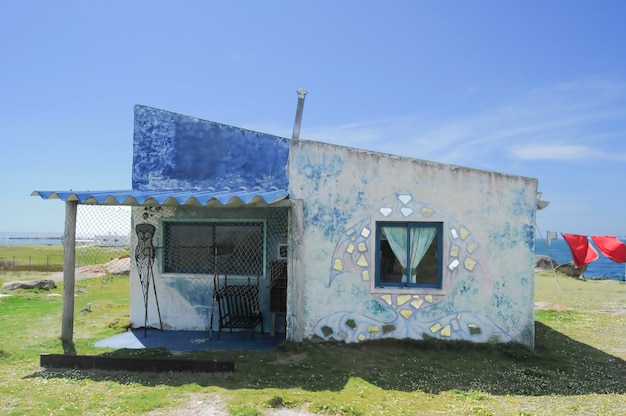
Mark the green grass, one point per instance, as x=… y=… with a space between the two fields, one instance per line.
x=577 y=367
x=32 y=257
x=49 y=258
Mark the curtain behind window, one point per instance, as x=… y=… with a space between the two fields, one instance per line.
x=418 y=243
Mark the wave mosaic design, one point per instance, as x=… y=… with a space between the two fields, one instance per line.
x=458 y=312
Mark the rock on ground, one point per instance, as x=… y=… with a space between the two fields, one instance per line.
x=544 y=262
x=45 y=284
x=116 y=267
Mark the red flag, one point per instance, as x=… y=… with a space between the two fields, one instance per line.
x=611 y=247
x=582 y=252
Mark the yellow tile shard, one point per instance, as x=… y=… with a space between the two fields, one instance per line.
x=427 y=212
x=402 y=299
x=435 y=328
x=338 y=265
x=362 y=261
x=417 y=303
x=471 y=246
x=469 y=263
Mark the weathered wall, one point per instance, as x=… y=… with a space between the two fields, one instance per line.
x=173 y=151
x=488 y=280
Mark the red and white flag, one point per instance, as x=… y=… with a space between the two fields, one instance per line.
x=582 y=252
x=611 y=247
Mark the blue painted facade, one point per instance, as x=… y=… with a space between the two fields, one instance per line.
x=173 y=151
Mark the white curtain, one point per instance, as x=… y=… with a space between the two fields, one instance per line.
x=420 y=240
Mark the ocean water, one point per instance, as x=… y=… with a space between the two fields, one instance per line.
x=601 y=268
x=13 y=239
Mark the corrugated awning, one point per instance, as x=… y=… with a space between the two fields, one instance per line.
x=243 y=196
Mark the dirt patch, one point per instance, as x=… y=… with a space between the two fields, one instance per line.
x=198 y=404
x=544 y=305
x=215 y=405
x=290 y=359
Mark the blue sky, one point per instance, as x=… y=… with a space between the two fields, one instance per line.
x=529 y=88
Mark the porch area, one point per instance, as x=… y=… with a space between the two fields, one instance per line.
x=181 y=341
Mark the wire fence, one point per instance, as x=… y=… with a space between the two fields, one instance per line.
x=102 y=235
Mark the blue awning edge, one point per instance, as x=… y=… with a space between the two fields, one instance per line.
x=171 y=197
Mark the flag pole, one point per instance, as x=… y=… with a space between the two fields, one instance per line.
x=556 y=279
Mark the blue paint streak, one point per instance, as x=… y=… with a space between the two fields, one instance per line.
x=173 y=151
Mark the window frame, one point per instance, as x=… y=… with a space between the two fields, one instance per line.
x=439 y=285
x=210 y=222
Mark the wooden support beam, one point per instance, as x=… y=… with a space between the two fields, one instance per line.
x=69 y=276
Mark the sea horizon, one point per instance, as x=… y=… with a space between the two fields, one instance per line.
x=43 y=238
x=8 y=238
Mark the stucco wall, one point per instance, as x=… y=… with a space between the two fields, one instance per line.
x=488 y=281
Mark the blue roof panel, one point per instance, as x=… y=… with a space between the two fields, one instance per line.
x=170 y=197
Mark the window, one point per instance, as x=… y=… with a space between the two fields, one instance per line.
x=409 y=254
x=231 y=248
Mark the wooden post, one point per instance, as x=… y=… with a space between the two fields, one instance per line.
x=69 y=276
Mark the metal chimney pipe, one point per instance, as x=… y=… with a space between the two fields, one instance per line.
x=296 y=124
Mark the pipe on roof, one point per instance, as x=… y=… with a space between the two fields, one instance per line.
x=296 y=124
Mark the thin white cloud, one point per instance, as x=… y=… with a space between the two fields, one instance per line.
x=554 y=152
x=570 y=121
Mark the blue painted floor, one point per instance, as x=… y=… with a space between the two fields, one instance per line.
x=178 y=341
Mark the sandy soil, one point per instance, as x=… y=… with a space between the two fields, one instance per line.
x=214 y=405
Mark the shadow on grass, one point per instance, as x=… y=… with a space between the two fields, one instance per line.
x=559 y=365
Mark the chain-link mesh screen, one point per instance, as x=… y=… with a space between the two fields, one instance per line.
x=234 y=248
x=224 y=246
x=102 y=234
